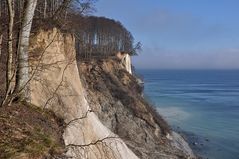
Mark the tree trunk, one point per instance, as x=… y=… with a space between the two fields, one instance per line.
x=45 y=7
x=10 y=43
x=22 y=75
x=0 y=44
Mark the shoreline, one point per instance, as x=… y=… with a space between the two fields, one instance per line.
x=198 y=144
x=179 y=142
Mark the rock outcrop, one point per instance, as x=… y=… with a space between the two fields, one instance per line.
x=101 y=104
x=115 y=95
x=125 y=61
x=57 y=86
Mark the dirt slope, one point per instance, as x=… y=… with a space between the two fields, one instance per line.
x=115 y=96
x=28 y=132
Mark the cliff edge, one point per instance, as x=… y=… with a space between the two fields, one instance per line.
x=116 y=97
x=100 y=102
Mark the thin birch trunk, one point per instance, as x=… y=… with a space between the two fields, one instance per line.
x=1 y=29
x=45 y=8
x=22 y=75
x=10 y=43
x=0 y=44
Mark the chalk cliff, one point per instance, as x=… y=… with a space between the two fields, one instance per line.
x=100 y=102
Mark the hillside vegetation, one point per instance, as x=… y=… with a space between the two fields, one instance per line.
x=27 y=131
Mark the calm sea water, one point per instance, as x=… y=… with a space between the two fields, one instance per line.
x=204 y=104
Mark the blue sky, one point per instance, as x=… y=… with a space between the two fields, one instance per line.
x=180 y=34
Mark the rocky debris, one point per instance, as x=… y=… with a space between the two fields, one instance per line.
x=181 y=144
x=115 y=96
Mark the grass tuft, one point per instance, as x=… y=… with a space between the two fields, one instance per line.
x=27 y=132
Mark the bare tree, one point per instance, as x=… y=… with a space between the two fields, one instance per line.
x=102 y=37
x=1 y=34
x=45 y=9
x=22 y=75
x=63 y=7
x=16 y=18
x=11 y=11
x=0 y=42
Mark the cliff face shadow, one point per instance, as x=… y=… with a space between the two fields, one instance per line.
x=116 y=97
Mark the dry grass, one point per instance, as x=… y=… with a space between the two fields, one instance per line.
x=25 y=131
x=125 y=88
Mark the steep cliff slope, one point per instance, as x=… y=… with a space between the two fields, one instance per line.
x=100 y=102
x=56 y=85
x=115 y=96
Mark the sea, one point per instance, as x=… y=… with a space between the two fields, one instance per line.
x=202 y=105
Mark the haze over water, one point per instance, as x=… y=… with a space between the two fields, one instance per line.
x=189 y=34
x=203 y=103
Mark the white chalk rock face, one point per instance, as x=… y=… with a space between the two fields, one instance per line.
x=56 y=85
x=128 y=63
x=125 y=61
